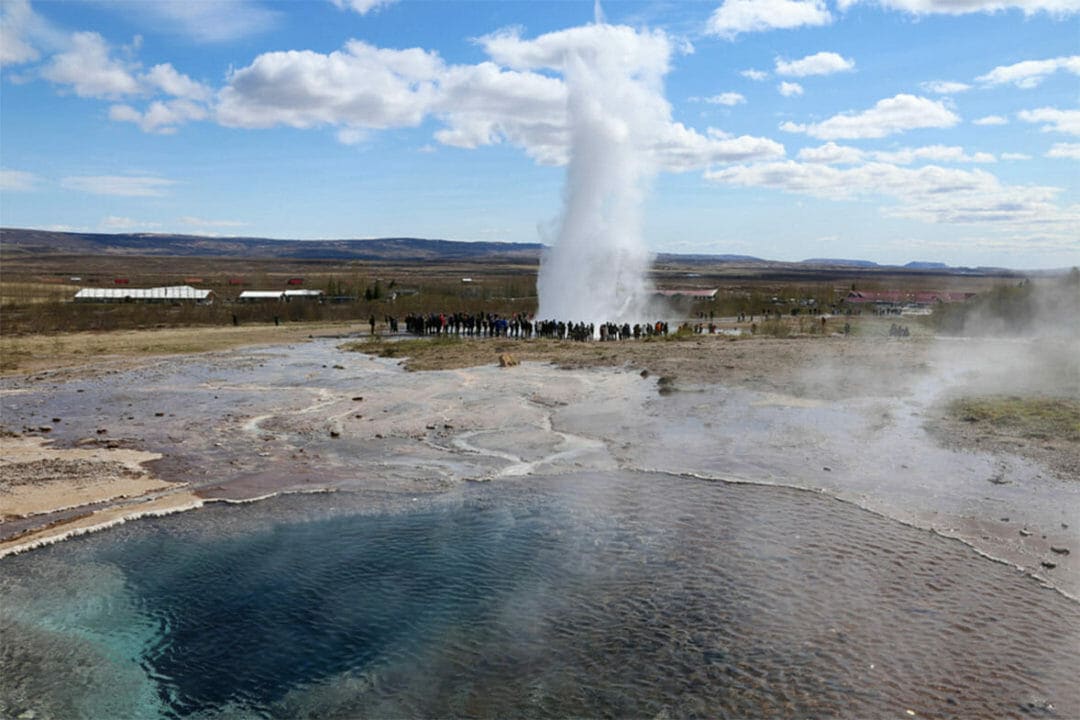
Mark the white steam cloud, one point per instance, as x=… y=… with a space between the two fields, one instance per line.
x=596 y=269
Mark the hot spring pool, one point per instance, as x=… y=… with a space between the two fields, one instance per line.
x=605 y=594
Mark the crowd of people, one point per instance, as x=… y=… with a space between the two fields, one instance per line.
x=518 y=325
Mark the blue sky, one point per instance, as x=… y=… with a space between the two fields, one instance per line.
x=889 y=130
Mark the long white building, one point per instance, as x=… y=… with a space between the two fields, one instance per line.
x=173 y=293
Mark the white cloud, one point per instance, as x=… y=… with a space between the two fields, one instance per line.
x=729 y=98
x=17 y=180
x=891 y=115
x=790 y=89
x=964 y=7
x=362 y=88
x=680 y=148
x=88 y=69
x=757 y=75
x=991 y=120
x=1030 y=73
x=1067 y=151
x=937 y=153
x=114 y=222
x=165 y=78
x=743 y=16
x=832 y=154
x=361 y=85
x=16 y=22
x=1062 y=121
x=125 y=185
x=87 y=65
x=160 y=117
x=204 y=22
x=202 y=223
x=822 y=63
x=362 y=6
x=1014 y=156
x=944 y=87
x=646 y=52
x=931 y=193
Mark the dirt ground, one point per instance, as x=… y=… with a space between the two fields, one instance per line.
x=85 y=351
x=825 y=367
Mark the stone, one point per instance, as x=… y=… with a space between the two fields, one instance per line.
x=1059 y=550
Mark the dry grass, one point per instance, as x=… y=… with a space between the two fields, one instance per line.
x=32 y=353
x=1039 y=418
x=33 y=293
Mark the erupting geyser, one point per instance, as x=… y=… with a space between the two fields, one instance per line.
x=616 y=112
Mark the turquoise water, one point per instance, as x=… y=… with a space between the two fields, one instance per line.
x=596 y=595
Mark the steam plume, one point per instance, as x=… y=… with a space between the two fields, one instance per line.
x=596 y=269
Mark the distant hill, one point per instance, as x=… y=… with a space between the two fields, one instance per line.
x=16 y=242
x=44 y=242
x=839 y=262
x=675 y=257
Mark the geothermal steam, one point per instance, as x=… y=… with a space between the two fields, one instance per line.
x=596 y=269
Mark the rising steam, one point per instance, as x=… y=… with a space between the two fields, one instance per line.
x=596 y=269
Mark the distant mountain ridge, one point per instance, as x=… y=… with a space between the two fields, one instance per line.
x=839 y=262
x=20 y=241
x=385 y=249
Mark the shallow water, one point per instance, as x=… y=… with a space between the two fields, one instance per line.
x=600 y=594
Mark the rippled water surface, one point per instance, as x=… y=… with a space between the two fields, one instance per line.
x=602 y=594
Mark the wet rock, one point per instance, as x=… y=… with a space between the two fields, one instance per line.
x=335 y=433
x=1059 y=550
x=1048 y=564
x=112 y=444
x=358 y=398
x=827 y=468
x=339 y=367
x=101 y=431
x=644 y=373
x=430 y=427
x=45 y=428
x=378 y=435
x=447 y=426
x=56 y=420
